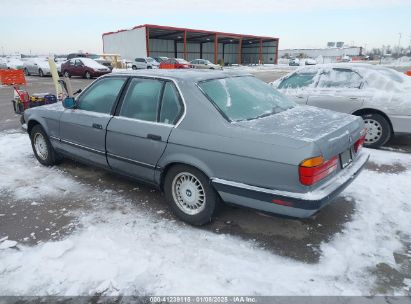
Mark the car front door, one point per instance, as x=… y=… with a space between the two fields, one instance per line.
x=83 y=129
x=137 y=136
x=338 y=89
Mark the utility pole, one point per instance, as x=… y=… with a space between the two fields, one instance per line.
x=399 y=44
x=409 y=36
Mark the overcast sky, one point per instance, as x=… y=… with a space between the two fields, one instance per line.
x=60 y=26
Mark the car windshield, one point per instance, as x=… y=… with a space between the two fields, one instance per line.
x=180 y=60
x=149 y=59
x=245 y=97
x=93 y=56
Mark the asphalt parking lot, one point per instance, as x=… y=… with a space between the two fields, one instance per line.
x=297 y=239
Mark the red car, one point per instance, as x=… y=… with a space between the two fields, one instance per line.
x=84 y=67
x=175 y=63
x=408 y=73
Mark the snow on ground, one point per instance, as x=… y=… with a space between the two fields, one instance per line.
x=127 y=250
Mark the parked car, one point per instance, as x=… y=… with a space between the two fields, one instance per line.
x=84 y=67
x=204 y=136
x=145 y=63
x=15 y=63
x=160 y=59
x=310 y=61
x=345 y=59
x=379 y=95
x=95 y=57
x=37 y=66
x=408 y=73
x=175 y=63
x=205 y=64
x=294 y=62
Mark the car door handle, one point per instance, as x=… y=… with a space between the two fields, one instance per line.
x=299 y=96
x=97 y=126
x=353 y=98
x=154 y=137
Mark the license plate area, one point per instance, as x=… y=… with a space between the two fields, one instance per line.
x=346 y=158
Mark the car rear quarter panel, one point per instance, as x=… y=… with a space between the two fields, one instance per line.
x=236 y=159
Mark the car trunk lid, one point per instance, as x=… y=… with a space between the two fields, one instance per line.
x=331 y=131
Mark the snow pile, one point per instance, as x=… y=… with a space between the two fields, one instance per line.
x=124 y=250
x=23 y=176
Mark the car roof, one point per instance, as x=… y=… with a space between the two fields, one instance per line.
x=193 y=75
x=347 y=66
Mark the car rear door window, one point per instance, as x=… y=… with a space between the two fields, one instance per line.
x=340 y=78
x=142 y=99
x=171 y=105
x=298 y=80
x=102 y=95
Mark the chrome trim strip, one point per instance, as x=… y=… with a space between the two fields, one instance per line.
x=132 y=161
x=83 y=147
x=317 y=194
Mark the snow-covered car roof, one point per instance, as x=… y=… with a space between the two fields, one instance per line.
x=90 y=62
x=376 y=76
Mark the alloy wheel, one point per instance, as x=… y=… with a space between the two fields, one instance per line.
x=40 y=145
x=188 y=193
x=374 y=131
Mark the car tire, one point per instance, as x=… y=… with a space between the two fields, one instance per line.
x=66 y=74
x=87 y=75
x=42 y=148
x=149 y=67
x=378 y=130
x=26 y=72
x=134 y=67
x=190 y=194
x=22 y=122
x=41 y=74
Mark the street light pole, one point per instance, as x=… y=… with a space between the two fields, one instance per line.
x=399 y=43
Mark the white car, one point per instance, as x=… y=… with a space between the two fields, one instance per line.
x=145 y=63
x=14 y=63
x=381 y=96
x=37 y=66
x=205 y=64
x=310 y=61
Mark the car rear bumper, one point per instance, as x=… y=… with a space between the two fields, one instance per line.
x=293 y=204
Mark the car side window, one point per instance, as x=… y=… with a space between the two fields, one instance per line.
x=102 y=95
x=71 y=62
x=171 y=106
x=142 y=99
x=78 y=62
x=298 y=80
x=340 y=78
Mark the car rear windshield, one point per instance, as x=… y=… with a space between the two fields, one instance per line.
x=244 y=98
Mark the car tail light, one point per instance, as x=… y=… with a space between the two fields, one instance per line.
x=359 y=143
x=315 y=169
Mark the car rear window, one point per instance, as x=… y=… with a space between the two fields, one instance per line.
x=244 y=98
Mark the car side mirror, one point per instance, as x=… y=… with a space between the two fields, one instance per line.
x=69 y=103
